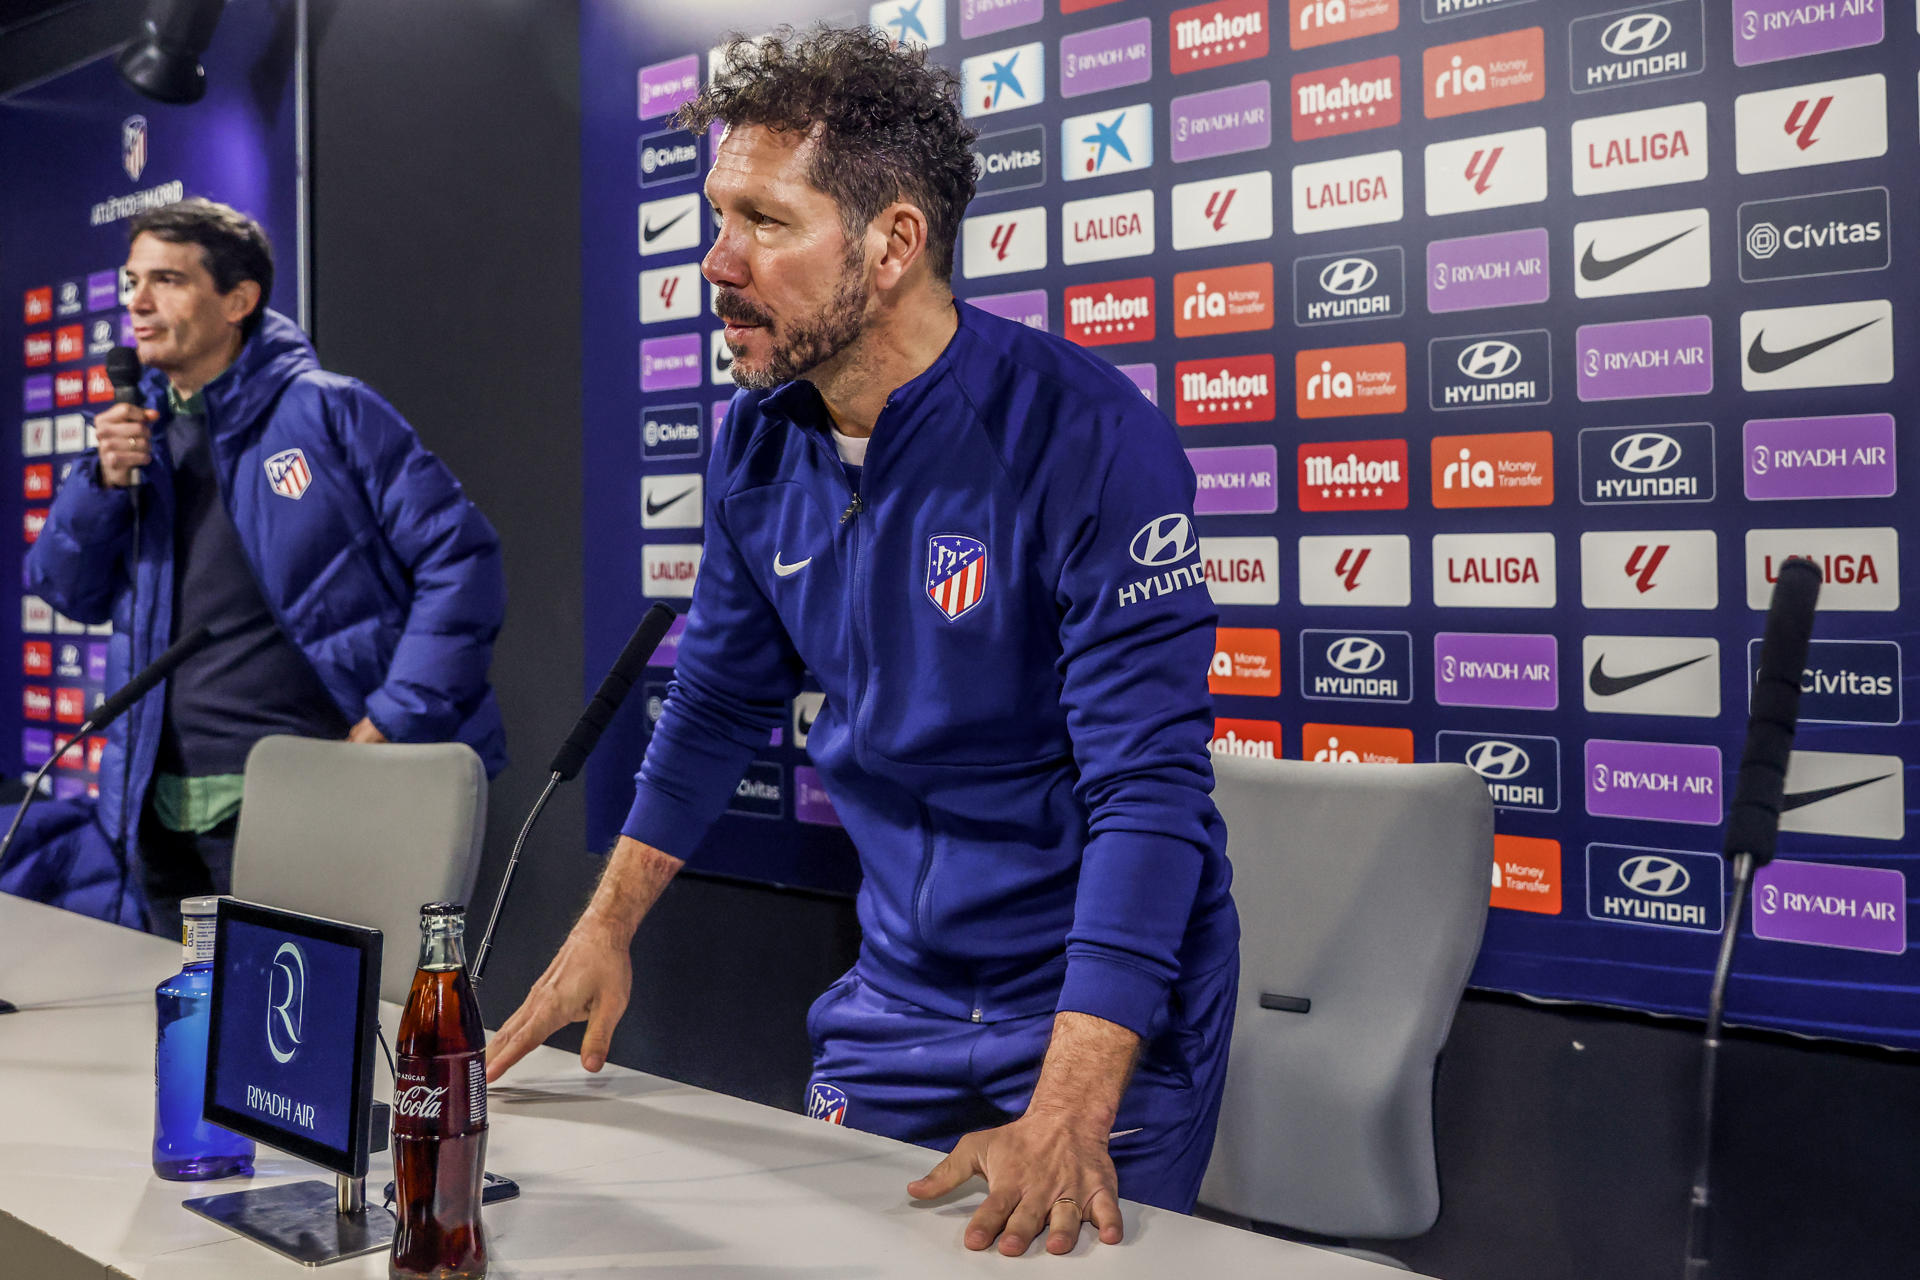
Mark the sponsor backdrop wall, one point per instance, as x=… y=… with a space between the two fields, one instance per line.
x=1514 y=345
x=81 y=154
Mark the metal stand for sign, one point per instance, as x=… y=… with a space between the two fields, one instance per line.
x=313 y=1223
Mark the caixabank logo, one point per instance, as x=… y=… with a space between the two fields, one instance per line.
x=1503 y=469
x=1829 y=233
x=1339 y=382
x=1501 y=70
x=1670 y=463
x=1337 y=288
x=1652 y=675
x=1647 y=253
x=1116 y=311
x=1490 y=370
x=1366 y=569
x=1472 y=273
x=1356 y=666
x=1221 y=300
x=1353 y=475
x=1217 y=35
x=1650 y=569
x=1317 y=22
x=1810 y=124
x=1642 y=45
x=1352 y=98
x=1522 y=771
x=1839 y=793
x=1003 y=80
x=1224 y=389
x=1248 y=739
x=1657 y=888
x=1102 y=143
x=1844 y=681
x=1652 y=148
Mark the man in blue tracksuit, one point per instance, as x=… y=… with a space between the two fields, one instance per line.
x=979 y=540
x=354 y=591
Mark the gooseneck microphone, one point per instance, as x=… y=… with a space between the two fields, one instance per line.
x=1753 y=829
x=579 y=745
x=123 y=371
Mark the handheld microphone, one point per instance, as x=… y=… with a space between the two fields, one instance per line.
x=123 y=371
x=579 y=745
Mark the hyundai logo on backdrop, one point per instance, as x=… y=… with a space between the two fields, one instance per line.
x=1490 y=370
x=1659 y=888
x=1670 y=463
x=1356 y=666
x=1362 y=284
x=1522 y=771
x=1643 y=45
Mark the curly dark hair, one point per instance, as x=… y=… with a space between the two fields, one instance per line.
x=886 y=122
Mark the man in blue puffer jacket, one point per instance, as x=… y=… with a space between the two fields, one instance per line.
x=354 y=590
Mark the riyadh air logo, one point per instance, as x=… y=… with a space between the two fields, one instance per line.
x=1810 y=124
x=1344 y=277
x=1490 y=359
x=1356 y=656
x=1163 y=541
x=1003 y=80
x=286 y=1002
x=133 y=146
x=920 y=24
x=1496 y=760
x=288 y=474
x=1106 y=142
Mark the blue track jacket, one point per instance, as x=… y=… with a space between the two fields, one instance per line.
x=381 y=572
x=1013 y=633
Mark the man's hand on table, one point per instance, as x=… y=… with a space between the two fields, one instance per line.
x=1046 y=1172
x=590 y=979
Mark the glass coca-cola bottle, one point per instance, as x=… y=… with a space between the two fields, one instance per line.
x=440 y=1112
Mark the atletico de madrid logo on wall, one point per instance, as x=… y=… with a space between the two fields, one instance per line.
x=133 y=146
x=956 y=573
x=824 y=1102
x=288 y=473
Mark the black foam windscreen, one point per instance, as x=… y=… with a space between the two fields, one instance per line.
x=1753 y=821
x=613 y=691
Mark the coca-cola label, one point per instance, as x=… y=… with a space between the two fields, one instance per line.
x=442 y=1096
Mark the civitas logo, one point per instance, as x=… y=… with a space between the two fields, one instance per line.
x=1829 y=233
x=1774 y=30
x=1011 y=160
x=668 y=156
x=286 y=1002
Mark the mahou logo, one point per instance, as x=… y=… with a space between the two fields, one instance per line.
x=1339 y=382
x=1224 y=389
x=1353 y=475
x=1117 y=311
x=1347 y=99
x=1254 y=739
x=1223 y=300
x=1475 y=75
x=1317 y=22
x=1218 y=35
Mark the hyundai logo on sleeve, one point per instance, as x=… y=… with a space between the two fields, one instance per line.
x=1165 y=540
x=1522 y=771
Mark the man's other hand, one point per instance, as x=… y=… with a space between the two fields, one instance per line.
x=124 y=435
x=1045 y=1173
x=590 y=979
x=365 y=731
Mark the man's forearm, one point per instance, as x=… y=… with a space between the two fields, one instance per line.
x=1088 y=1063
x=635 y=876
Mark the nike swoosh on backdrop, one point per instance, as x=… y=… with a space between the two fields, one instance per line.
x=1606 y=686
x=1761 y=360
x=1801 y=799
x=788 y=570
x=1597 y=269
x=655 y=508
x=725 y=362
x=650 y=234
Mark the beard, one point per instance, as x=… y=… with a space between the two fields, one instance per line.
x=806 y=343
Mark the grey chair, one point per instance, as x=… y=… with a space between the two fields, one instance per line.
x=1363 y=891
x=363 y=833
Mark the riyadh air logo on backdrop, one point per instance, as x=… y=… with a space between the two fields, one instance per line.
x=985 y=17
x=1843 y=456
x=1521 y=771
x=1340 y=382
x=998 y=244
x=1508 y=469
x=1819 y=904
x=1249 y=739
x=1490 y=370
x=671 y=501
x=669 y=225
x=1220 y=211
x=1364 y=284
x=1356 y=666
x=1772 y=30
x=1859 y=568
x=1642 y=45
x=1656 y=781
x=1010 y=161
x=1491 y=171
x=1360 y=569
x=1003 y=80
x=1347 y=99
x=1117 y=311
x=668 y=156
x=1355 y=744
x=1650 y=569
x=1809 y=124
x=1837 y=793
x=1106 y=227
x=1025 y=306
x=1650 y=253
x=670 y=293
x=1494 y=571
x=669 y=568
x=672 y=363
x=1235 y=480
x=1828 y=234
x=1246 y=661
x=670 y=431
x=1659 y=888
x=1494 y=669
x=1838 y=344
x=1493 y=71
x=1652 y=148
x=1354 y=191
x=1223 y=300
x=1637 y=359
x=1651 y=676
x=1118 y=140
x=1217 y=35
x=1104 y=58
x=665 y=87
x=1473 y=273
x=1222 y=122
x=917 y=24
x=1242 y=570
x=1316 y=22
x=1844 y=682
x=1224 y=389
x=1353 y=475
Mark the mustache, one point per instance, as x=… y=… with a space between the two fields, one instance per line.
x=729 y=305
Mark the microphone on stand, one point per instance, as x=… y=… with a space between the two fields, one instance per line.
x=579 y=745
x=123 y=371
x=1753 y=829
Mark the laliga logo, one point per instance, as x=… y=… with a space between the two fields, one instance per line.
x=1763 y=240
x=1653 y=876
x=1646 y=452
x=285 y=1017
x=1356 y=655
x=1488 y=360
x=1636 y=34
x=1497 y=760
x=1163 y=541
x=1349 y=276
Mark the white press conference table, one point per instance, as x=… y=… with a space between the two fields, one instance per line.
x=621 y=1174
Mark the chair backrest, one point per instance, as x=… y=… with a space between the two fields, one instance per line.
x=363 y=833
x=1362 y=890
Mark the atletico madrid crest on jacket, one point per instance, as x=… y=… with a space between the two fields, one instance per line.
x=288 y=473
x=956 y=573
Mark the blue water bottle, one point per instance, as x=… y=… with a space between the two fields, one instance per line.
x=185 y=1147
